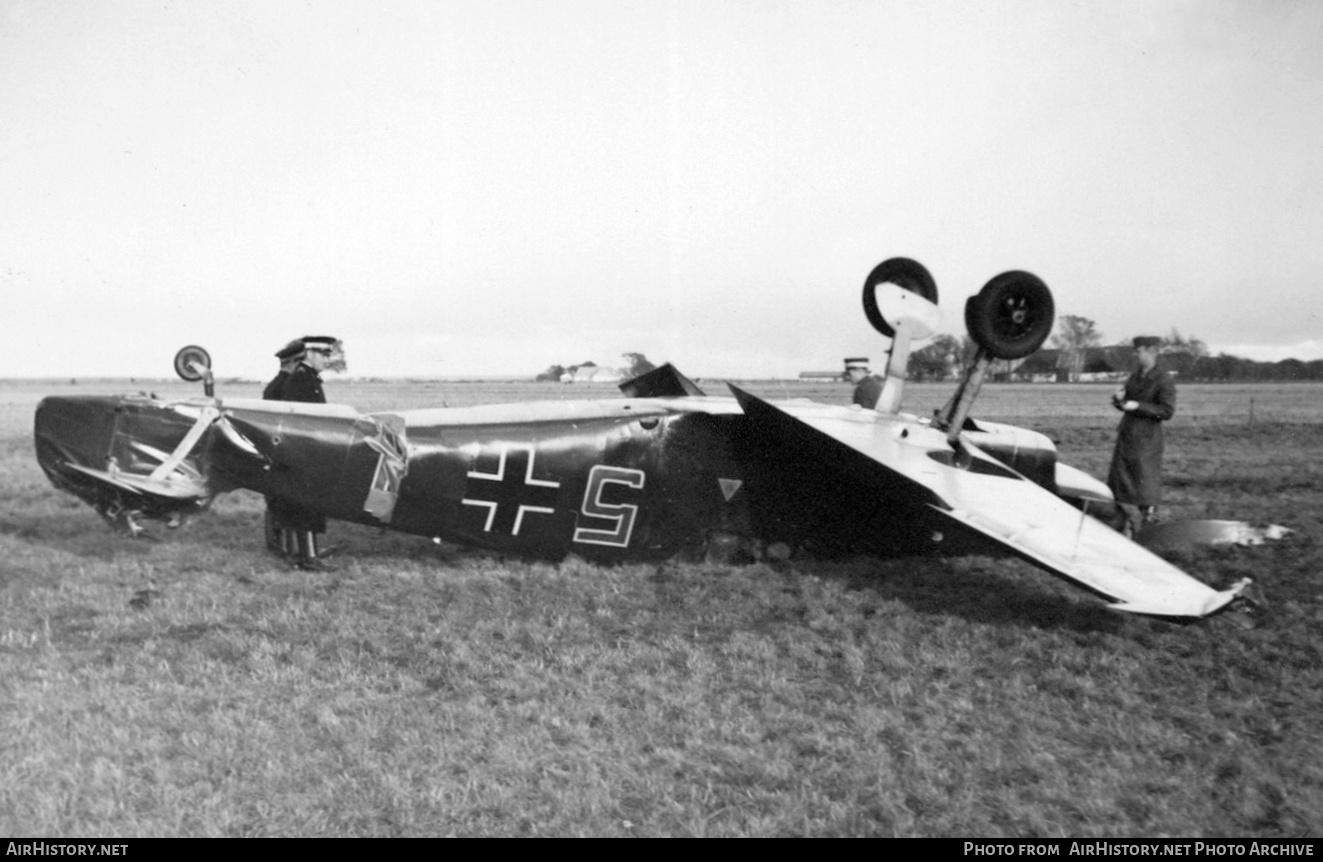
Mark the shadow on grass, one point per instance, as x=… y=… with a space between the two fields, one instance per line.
x=81 y=534
x=995 y=592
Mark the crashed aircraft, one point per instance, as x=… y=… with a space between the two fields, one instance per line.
x=666 y=470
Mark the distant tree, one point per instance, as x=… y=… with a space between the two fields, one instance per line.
x=1290 y=369
x=636 y=364
x=1220 y=367
x=1074 y=336
x=1174 y=343
x=551 y=375
x=937 y=360
x=1115 y=359
x=1224 y=367
x=1181 y=355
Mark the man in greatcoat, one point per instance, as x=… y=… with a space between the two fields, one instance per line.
x=276 y=535
x=867 y=386
x=290 y=356
x=1147 y=399
x=304 y=384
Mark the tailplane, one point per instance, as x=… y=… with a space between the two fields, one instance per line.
x=663 y=382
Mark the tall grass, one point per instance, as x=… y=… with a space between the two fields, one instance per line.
x=192 y=685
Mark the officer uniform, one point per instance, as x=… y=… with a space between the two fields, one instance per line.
x=1135 y=477
x=276 y=534
x=868 y=391
x=289 y=357
x=304 y=384
x=272 y=390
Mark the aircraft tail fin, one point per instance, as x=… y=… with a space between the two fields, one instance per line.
x=130 y=457
x=663 y=382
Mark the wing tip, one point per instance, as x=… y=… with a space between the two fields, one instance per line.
x=1211 y=604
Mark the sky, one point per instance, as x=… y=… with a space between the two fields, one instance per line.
x=488 y=188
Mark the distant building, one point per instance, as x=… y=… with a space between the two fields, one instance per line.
x=590 y=373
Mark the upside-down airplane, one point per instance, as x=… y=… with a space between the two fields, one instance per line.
x=665 y=471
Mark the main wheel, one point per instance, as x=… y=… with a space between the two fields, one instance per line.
x=908 y=274
x=1011 y=316
x=186 y=358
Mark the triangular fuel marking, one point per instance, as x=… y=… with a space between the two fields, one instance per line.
x=729 y=487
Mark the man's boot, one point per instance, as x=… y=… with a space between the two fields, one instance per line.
x=275 y=540
x=1120 y=521
x=307 y=553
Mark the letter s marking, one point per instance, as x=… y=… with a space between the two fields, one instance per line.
x=622 y=513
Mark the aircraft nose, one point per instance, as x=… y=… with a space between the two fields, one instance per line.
x=74 y=430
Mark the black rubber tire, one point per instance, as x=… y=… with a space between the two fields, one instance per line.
x=1011 y=316
x=908 y=274
x=184 y=359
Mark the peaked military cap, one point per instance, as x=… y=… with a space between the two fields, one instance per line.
x=856 y=362
x=327 y=343
x=1147 y=341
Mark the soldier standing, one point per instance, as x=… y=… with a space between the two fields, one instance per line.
x=305 y=381
x=1147 y=399
x=304 y=384
x=276 y=535
x=290 y=355
x=867 y=387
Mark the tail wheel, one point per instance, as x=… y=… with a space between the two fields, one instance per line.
x=1011 y=316
x=908 y=274
x=187 y=360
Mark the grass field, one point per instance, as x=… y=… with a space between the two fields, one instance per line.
x=192 y=685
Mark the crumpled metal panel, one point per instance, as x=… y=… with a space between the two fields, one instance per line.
x=344 y=465
x=388 y=442
x=130 y=457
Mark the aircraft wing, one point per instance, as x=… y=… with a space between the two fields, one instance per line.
x=898 y=453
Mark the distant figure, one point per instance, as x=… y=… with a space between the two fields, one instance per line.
x=304 y=384
x=280 y=540
x=290 y=355
x=305 y=381
x=1147 y=399
x=867 y=387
